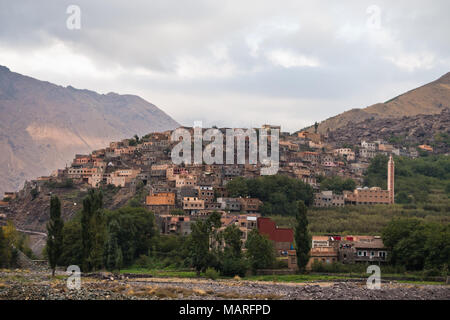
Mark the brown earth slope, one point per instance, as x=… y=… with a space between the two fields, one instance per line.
x=431 y=98
x=44 y=125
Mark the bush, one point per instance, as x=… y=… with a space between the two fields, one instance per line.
x=234 y=266
x=337 y=267
x=211 y=273
x=280 y=264
x=144 y=262
x=432 y=273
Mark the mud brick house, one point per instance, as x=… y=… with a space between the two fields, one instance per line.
x=159 y=170
x=81 y=159
x=250 y=205
x=245 y=223
x=283 y=238
x=9 y=195
x=186 y=181
x=328 y=199
x=232 y=170
x=323 y=255
x=229 y=204
x=345 y=153
x=371 y=251
x=205 y=193
x=161 y=203
x=193 y=204
x=174 y=224
x=347 y=249
x=373 y=195
x=310 y=156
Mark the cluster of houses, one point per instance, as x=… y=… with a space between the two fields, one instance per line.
x=180 y=194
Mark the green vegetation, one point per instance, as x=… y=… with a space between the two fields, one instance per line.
x=66 y=184
x=34 y=193
x=97 y=238
x=416 y=245
x=5 y=251
x=260 y=251
x=279 y=193
x=11 y=241
x=337 y=184
x=415 y=179
x=441 y=138
x=212 y=274
x=93 y=232
x=365 y=219
x=54 y=233
x=302 y=237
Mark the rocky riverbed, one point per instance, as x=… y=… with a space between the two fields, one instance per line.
x=38 y=285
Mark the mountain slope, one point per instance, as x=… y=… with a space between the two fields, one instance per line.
x=431 y=129
x=431 y=98
x=44 y=125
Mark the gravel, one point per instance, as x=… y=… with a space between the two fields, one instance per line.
x=38 y=285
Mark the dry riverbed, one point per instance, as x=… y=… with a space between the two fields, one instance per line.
x=38 y=285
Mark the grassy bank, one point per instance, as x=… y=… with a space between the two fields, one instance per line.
x=410 y=277
x=368 y=220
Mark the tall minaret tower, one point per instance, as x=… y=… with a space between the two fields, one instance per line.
x=390 y=179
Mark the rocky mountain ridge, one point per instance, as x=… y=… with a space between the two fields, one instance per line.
x=43 y=125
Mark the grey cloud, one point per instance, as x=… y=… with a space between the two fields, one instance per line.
x=356 y=66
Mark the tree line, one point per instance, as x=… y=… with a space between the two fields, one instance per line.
x=97 y=239
x=280 y=194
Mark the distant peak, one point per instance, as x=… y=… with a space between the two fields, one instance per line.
x=445 y=77
x=4 y=69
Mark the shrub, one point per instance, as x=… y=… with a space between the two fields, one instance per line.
x=211 y=273
x=233 y=266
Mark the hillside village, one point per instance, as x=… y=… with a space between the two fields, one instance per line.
x=181 y=194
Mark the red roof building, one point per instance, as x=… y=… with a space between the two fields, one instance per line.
x=283 y=238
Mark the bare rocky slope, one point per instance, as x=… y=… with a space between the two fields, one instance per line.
x=432 y=129
x=44 y=125
x=431 y=98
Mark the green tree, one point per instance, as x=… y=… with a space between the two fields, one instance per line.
x=203 y=233
x=337 y=184
x=92 y=230
x=396 y=231
x=237 y=187
x=4 y=250
x=199 y=246
x=136 y=231
x=232 y=261
x=403 y=198
x=232 y=239
x=54 y=233
x=72 y=248
x=302 y=237
x=260 y=251
x=114 y=257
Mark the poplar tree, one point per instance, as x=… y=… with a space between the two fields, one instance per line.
x=302 y=237
x=54 y=233
x=92 y=230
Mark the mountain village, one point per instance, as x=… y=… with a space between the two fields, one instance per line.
x=181 y=194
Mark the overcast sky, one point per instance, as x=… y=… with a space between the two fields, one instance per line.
x=233 y=63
